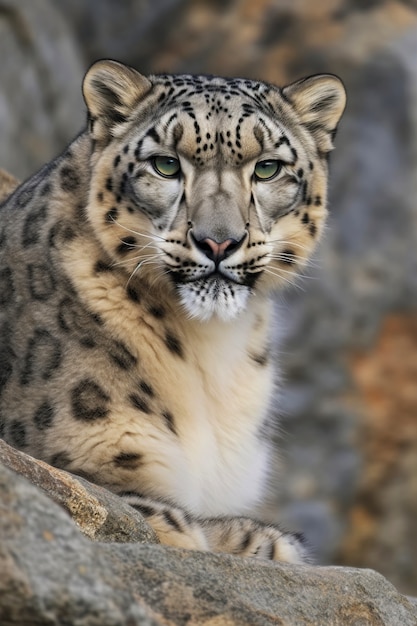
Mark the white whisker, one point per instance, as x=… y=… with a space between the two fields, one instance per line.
x=139 y=257
x=279 y=256
x=138 y=233
x=278 y=275
x=293 y=283
x=295 y=274
x=140 y=265
x=290 y=243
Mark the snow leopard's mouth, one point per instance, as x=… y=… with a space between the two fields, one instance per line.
x=220 y=275
x=214 y=295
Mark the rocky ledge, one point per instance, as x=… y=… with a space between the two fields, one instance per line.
x=72 y=553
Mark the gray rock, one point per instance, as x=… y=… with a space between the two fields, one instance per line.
x=51 y=574
x=132 y=32
x=98 y=513
x=41 y=106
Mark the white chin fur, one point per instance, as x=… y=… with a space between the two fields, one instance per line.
x=213 y=297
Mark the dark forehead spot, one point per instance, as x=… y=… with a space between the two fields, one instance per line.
x=152 y=132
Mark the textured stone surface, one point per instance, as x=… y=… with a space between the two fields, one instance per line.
x=347 y=444
x=51 y=574
x=40 y=101
x=99 y=514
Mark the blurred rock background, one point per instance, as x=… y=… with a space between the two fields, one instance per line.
x=347 y=336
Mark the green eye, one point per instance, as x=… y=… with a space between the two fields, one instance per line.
x=264 y=170
x=166 y=166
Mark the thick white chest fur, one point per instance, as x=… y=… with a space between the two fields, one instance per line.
x=221 y=401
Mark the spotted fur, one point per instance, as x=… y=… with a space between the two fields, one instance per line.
x=135 y=278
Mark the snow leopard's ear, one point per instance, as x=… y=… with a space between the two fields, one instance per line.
x=111 y=91
x=319 y=102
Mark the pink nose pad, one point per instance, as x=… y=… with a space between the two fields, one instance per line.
x=215 y=251
x=218 y=250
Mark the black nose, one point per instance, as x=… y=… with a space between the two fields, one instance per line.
x=217 y=251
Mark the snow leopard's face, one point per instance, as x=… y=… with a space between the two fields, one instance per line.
x=215 y=186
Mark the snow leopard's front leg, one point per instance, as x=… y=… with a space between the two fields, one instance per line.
x=240 y=536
